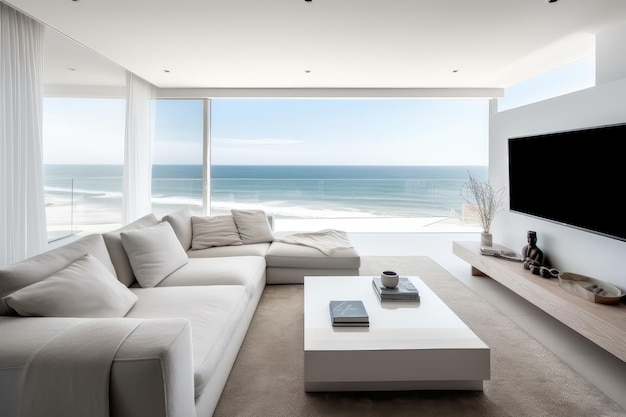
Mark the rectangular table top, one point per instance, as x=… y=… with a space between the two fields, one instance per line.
x=394 y=325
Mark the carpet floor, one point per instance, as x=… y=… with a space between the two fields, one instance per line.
x=267 y=379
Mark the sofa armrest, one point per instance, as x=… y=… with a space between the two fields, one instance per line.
x=152 y=373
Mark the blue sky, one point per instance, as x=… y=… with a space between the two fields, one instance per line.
x=278 y=132
x=350 y=132
x=299 y=131
x=328 y=132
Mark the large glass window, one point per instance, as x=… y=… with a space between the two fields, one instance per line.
x=178 y=156
x=346 y=158
x=83 y=142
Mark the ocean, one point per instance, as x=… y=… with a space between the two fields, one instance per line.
x=95 y=191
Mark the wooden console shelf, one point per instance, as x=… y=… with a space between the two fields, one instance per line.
x=603 y=324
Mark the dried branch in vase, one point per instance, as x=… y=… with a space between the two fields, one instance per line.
x=488 y=201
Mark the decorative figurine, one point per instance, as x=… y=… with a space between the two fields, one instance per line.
x=531 y=254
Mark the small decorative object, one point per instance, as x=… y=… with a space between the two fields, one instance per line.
x=591 y=289
x=488 y=203
x=544 y=271
x=531 y=254
x=389 y=279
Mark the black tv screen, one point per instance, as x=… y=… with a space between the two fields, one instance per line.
x=574 y=178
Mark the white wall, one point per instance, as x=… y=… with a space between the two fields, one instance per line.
x=568 y=249
x=610 y=55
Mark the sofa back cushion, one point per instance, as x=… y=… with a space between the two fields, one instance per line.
x=181 y=223
x=84 y=289
x=38 y=267
x=154 y=253
x=214 y=231
x=119 y=258
x=253 y=226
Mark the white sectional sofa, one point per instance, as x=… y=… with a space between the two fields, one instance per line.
x=146 y=320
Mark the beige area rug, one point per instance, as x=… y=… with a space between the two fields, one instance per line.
x=526 y=378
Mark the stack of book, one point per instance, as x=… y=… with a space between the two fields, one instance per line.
x=405 y=291
x=348 y=313
x=500 y=253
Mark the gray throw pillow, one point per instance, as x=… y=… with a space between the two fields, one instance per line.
x=113 y=241
x=154 y=253
x=84 y=289
x=181 y=223
x=214 y=231
x=253 y=226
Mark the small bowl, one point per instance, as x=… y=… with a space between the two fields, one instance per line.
x=390 y=279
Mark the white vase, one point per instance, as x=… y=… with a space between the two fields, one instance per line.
x=486 y=239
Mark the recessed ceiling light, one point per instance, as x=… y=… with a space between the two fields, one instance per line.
x=307 y=71
x=166 y=71
x=71 y=69
x=551 y=1
x=455 y=71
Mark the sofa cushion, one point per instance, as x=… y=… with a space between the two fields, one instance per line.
x=118 y=255
x=83 y=289
x=38 y=267
x=287 y=255
x=180 y=221
x=253 y=226
x=154 y=253
x=247 y=271
x=280 y=275
x=253 y=249
x=214 y=313
x=214 y=231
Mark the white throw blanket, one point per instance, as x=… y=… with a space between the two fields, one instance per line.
x=69 y=376
x=327 y=241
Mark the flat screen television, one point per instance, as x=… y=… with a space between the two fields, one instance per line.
x=574 y=178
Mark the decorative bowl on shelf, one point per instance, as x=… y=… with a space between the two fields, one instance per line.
x=592 y=289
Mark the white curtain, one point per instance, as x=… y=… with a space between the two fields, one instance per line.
x=22 y=210
x=138 y=148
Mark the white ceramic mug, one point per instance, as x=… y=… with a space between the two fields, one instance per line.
x=389 y=279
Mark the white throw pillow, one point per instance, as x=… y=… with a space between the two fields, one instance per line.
x=38 y=267
x=253 y=226
x=84 y=289
x=214 y=231
x=154 y=253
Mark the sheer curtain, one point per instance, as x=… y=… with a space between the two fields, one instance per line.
x=138 y=148
x=22 y=206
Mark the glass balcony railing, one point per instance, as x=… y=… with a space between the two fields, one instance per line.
x=95 y=204
x=340 y=198
x=76 y=205
x=59 y=201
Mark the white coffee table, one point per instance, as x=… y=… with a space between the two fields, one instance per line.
x=408 y=345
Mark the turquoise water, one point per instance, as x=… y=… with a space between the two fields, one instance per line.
x=293 y=191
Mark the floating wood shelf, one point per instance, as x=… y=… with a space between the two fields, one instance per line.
x=605 y=325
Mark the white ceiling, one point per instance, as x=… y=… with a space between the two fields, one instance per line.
x=322 y=43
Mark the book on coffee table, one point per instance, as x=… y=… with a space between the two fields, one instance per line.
x=405 y=291
x=345 y=313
